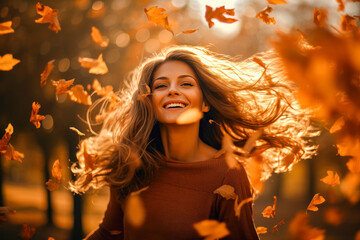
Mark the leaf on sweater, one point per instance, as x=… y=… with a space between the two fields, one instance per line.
x=189 y=116
x=6 y=137
x=45 y=74
x=238 y=206
x=5 y=27
x=320 y=17
x=27 y=232
x=35 y=118
x=7 y=62
x=211 y=229
x=157 y=16
x=264 y=16
x=332 y=178
x=79 y=95
x=101 y=91
x=11 y=154
x=135 y=210
x=97 y=37
x=299 y=229
x=270 y=211
x=226 y=191
x=218 y=14
x=261 y=230
x=276 y=1
x=96 y=66
x=56 y=175
x=62 y=86
x=317 y=199
x=49 y=15
x=276 y=227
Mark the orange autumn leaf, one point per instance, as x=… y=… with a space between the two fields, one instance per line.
x=264 y=16
x=238 y=206
x=6 y=137
x=157 y=16
x=5 y=28
x=96 y=66
x=218 y=14
x=189 y=116
x=341 y=6
x=56 y=175
x=226 y=191
x=51 y=238
x=135 y=210
x=62 y=86
x=45 y=74
x=353 y=165
x=270 y=211
x=7 y=62
x=261 y=230
x=276 y=227
x=350 y=185
x=332 y=178
x=101 y=91
x=259 y=61
x=190 y=31
x=299 y=229
x=276 y=1
x=316 y=200
x=79 y=95
x=77 y=131
x=211 y=229
x=27 y=232
x=35 y=118
x=348 y=24
x=320 y=17
x=97 y=37
x=11 y=154
x=49 y=15
x=338 y=125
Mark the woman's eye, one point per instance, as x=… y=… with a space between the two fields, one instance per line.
x=187 y=84
x=159 y=86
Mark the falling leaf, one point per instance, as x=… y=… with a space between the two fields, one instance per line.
x=259 y=61
x=55 y=181
x=77 y=131
x=237 y=207
x=157 y=16
x=332 y=178
x=7 y=62
x=261 y=230
x=189 y=116
x=49 y=15
x=35 y=118
x=320 y=17
x=135 y=210
x=353 y=164
x=62 y=86
x=27 y=232
x=6 y=137
x=211 y=229
x=96 y=66
x=79 y=95
x=338 y=125
x=264 y=16
x=276 y=227
x=218 y=14
x=348 y=23
x=299 y=229
x=350 y=185
x=45 y=74
x=341 y=7
x=276 y=1
x=190 y=31
x=317 y=199
x=226 y=191
x=269 y=211
x=11 y=154
x=97 y=37
x=5 y=28
x=101 y=91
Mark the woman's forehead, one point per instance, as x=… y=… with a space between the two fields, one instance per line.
x=173 y=68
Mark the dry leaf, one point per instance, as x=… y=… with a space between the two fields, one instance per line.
x=45 y=74
x=49 y=15
x=264 y=16
x=276 y=1
x=276 y=227
x=320 y=17
x=317 y=199
x=341 y=6
x=135 y=210
x=218 y=14
x=79 y=95
x=5 y=28
x=332 y=178
x=97 y=37
x=55 y=181
x=353 y=165
x=157 y=16
x=299 y=229
x=7 y=62
x=77 y=131
x=27 y=232
x=190 y=31
x=259 y=61
x=261 y=230
x=348 y=24
x=338 y=125
x=350 y=186
x=226 y=191
x=189 y=116
x=62 y=86
x=269 y=212
x=96 y=66
x=101 y=91
x=6 y=137
x=35 y=118
x=211 y=229
x=237 y=207
x=11 y=154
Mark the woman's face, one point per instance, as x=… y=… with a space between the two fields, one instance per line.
x=175 y=89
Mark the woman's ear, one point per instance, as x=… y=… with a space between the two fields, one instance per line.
x=205 y=107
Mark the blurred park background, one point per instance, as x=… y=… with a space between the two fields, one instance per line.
x=63 y=215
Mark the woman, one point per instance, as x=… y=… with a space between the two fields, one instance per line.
x=162 y=149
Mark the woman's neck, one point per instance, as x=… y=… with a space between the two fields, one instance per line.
x=182 y=143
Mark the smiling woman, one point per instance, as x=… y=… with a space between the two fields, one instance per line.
x=167 y=177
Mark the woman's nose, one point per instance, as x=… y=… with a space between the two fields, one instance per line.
x=173 y=91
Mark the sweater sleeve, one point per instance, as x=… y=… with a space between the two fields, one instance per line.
x=240 y=228
x=111 y=227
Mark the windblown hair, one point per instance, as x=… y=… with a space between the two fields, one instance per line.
x=244 y=98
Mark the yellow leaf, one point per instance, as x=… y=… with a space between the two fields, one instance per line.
x=317 y=199
x=157 y=16
x=97 y=37
x=79 y=95
x=5 y=28
x=45 y=74
x=261 y=230
x=7 y=62
x=62 y=85
x=226 y=191
x=332 y=178
x=269 y=212
x=35 y=118
x=218 y=14
x=96 y=66
x=264 y=16
x=211 y=229
x=49 y=15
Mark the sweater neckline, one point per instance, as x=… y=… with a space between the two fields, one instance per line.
x=215 y=158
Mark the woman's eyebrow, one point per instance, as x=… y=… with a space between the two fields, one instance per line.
x=186 y=75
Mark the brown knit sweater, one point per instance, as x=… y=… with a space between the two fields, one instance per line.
x=181 y=195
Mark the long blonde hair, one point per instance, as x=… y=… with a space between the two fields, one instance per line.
x=244 y=97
